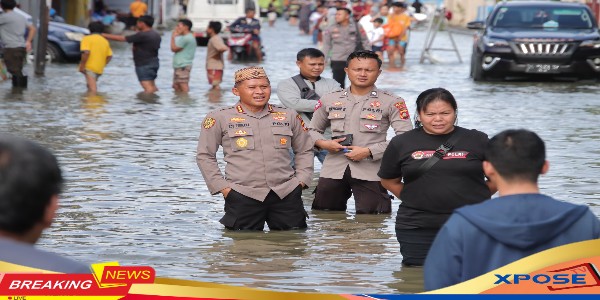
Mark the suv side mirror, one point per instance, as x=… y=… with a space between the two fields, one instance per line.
x=477 y=25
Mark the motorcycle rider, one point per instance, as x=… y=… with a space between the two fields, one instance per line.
x=248 y=24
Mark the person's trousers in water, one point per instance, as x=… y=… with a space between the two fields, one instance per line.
x=414 y=244
x=245 y=213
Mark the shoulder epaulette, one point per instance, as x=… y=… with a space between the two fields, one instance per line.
x=386 y=92
x=277 y=106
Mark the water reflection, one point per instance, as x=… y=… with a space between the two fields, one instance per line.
x=148 y=98
x=214 y=96
x=408 y=280
x=183 y=99
x=94 y=103
x=17 y=91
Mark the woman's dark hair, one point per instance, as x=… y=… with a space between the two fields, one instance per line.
x=364 y=54
x=430 y=95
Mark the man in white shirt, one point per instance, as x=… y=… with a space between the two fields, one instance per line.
x=376 y=37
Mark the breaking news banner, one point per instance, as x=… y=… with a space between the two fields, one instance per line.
x=570 y=270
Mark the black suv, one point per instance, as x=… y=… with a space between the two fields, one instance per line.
x=542 y=38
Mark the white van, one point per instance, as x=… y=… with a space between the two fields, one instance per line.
x=200 y=12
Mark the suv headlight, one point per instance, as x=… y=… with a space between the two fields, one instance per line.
x=74 y=36
x=592 y=44
x=492 y=42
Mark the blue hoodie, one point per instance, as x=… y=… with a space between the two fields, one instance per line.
x=482 y=237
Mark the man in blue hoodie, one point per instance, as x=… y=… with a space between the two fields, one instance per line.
x=482 y=237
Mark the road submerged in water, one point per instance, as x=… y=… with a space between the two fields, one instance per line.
x=134 y=193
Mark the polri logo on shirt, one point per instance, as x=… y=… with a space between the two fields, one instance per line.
x=450 y=155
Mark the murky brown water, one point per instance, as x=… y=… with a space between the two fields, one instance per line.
x=134 y=192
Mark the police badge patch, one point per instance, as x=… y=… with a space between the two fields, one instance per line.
x=402 y=110
x=241 y=142
x=418 y=155
x=237 y=120
x=208 y=123
x=319 y=104
x=371 y=126
x=302 y=121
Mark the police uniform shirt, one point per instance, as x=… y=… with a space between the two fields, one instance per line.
x=256 y=151
x=367 y=118
x=341 y=41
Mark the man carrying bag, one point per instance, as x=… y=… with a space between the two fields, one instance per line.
x=302 y=92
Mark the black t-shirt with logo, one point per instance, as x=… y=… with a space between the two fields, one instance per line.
x=145 y=47
x=454 y=181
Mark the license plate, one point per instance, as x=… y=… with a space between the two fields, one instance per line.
x=541 y=68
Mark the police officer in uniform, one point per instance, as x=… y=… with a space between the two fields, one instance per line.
x=342 y=39
x=361 y=114
x=259 y=184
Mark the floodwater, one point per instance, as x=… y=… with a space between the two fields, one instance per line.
x=134 y=193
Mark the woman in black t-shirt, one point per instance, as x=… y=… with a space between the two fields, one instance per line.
x=429 y=197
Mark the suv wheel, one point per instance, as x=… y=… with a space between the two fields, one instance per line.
x=53 y=54
x=476 y=69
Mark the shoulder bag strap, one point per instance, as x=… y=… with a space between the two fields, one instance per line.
x=440 y=152
x=302 y=85
x=304 y=89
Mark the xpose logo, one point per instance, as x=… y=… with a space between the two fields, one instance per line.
x=579 y=276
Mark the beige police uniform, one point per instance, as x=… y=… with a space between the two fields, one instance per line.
x=367 y=118
x=256 y=151
x=338 y=43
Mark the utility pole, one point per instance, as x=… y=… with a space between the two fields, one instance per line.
x=42 y=38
